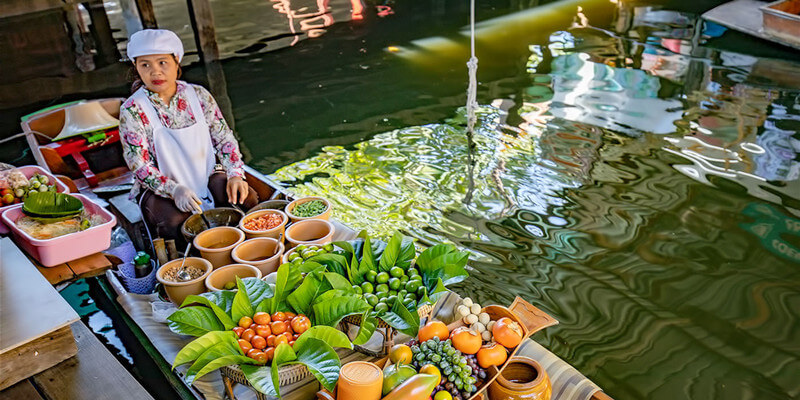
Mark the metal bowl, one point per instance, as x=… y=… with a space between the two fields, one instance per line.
x=221 y=216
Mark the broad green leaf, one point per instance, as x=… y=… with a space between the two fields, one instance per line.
x=400 y=318
x=197 y=347
x=332 y=336
x=338 y=282
x=260 y=377
x=390 y=254
x=377 y=247
x=284 y=283
x=332 y=308
x=333 y=262
x=222 y=349
x=437 y=292
x=208 y=302
x=51 y=205
x=221 y=362
x=367 y=262
x=309 y=266
x=241 y=302
x=284 y=354
x=194 y=321
x=302 y=298
x=425 y=258
x=222 y=298
x=407 y=253
x=368 y=325
x=321 y=360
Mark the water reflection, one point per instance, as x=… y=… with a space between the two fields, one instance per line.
x=642 y=188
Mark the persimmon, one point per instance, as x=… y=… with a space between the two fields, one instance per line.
x=492 y=354
x=300 y=324
x=238 y=331
x=288 y=327
x=507 y=332
x=291 y=343
x=288 y=336
x=262 y=318
x=263 y=330
x=248 y=334
x=244 y=345
x=245 y=322
x=277 y=327
x=433 y=328
x=465 y=340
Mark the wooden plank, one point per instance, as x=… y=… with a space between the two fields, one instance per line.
x=745 y=16
x=147 y=14
x=29 y=306
x=91 y=265
x=20 y=390
x=92 y=374
x=36 y=356
x=57 y=274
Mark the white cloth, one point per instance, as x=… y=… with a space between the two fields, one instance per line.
x=154 y=41
x=185 y=155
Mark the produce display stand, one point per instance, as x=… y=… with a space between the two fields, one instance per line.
x=383 y=329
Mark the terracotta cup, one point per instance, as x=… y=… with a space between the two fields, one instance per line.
x=215 y=244
x=178 y=291
x=324 y=215
x=217 y=279
x=276 y=232
x=262 y=253
x=522 y=379
x=359 y=380
x=310 y=231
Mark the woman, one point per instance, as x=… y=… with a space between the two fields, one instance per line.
x=171 y=132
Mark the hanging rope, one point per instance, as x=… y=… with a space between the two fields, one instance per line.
x=472 y=67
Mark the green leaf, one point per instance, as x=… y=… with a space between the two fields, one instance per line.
x=368 y=325
x=51 y=205
x=218 y=311
x=449 y=267
x=338 y=282
x=284 y=284
x=222 y=349
x=437 y=292
x=425 y=258
x=241 y=302
x=194 y=321
x=405 y=320
x=260 y=377
x=332 y=336
x=321 y=360
x=367 y=262
x=333 y=262
x=221 y=362
x=390 y=254
x=284 y=354
x=407 y=253
x=309 y=266
x=302 y=298
x=197 y=347
x=333 y=305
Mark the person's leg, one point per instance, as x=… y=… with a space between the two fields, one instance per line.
x=217 y=184
x=163 y=218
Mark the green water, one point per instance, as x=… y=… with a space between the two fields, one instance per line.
x=634 y=175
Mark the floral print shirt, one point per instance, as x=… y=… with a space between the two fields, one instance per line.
x=136 y=133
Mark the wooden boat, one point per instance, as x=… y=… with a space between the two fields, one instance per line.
x=777 y=22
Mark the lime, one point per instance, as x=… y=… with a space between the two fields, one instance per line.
x=393 y=293
x=358 y=289
x=422 y=291
x=371 y=276
x=413 y=272
x=301 y=247
x=396 y=272
x=410 y=296
x=382 y=288
x=383 y=277
x=293 y=256
x=366 y=287
x=410 y=304
x=412 y=286
x=381 y=308
x=297 y=261
x=404 y=279
x=394 y=284
x=371 y=299
x=391 y=299
x=402 y=293
x=328 y=247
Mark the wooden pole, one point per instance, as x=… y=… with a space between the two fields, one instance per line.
x=147 y=13
x=102 y=33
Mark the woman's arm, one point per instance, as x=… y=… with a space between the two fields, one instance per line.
x=225 y=144
x=136 y=150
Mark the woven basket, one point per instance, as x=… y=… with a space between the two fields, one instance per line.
x=383 y=329
x=287 y=375
x=355 y=319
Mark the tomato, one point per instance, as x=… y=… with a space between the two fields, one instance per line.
x=261 y=318
x=290 y=315
x=300 y=324
x=263 y=330
x=280 y=339
x=238 y=331
x=271 y=340
x=245 y=322
x=295 y=336
x=507 y=332
x=433 y=328
x=291 y=343
x=400 y=353
x=279 y=316
x=252 y=326
x=248 y=334
x=245 y=345
x=288 y=327
x=260 y=357
x=251 y=352
x=258 y=342
x=278 y=327
x=288 y=336
x=492 y=354
x=466 y=341
x=270 y=353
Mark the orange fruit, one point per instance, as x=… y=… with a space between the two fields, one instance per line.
x=245 y=322
x=261 y=318
x=433 y=328
x=400 y=354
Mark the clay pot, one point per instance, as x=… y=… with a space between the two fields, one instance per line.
x=276 y=232
x=215 y=244
x=324 y=215
x=521 y=379
x=220 y=216
x=217 y=279
x=359 y=380
x=178 y=291
x=310 y=231
x=262 y=253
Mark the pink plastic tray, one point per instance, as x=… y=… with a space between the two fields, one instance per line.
x=29 y=171
x=51 y=252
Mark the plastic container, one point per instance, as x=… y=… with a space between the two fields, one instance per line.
x=311 y=231
x=55 y=251
x=275 y=232
x=219 y=277
x=179 y=291
x=262 y=253
x=29 y=171
x=326 y=214
x=141 y=285
x=360 y=380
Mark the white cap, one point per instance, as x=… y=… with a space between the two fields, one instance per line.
x=154 y=41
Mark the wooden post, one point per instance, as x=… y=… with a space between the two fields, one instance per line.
x=101 y=29
x=147 y=14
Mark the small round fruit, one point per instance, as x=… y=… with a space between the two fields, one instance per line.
x=443 y=395
x=430 y=369
x=300 y=324
x=297 y=261
x=263 y=330
x=382 y=288
x=394 y=284
x=358 y=289
x=371 y=299
x=507 y=332
x=238 y=330
x=244 y=345
x=382 y=277
x=396 y=272
x=229 y=285
x=466 y=341
x=260 y=357
x=475 y=309
x=279 y=316
x=433 y=329
x=366 y=287
x=280 y=339
x=258 y=342
x=252 y=351
x=271 y=340
x=278 y=327
x=371 y=275
x=293 y=256
x=261 y=318
x=328 y=247
x=270 y=353
x=400 y=353
x=290 y=315
x=301 y=247
x=248 y=334
x=381 y=308
x=245 y=322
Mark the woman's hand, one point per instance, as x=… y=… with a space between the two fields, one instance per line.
x=186 y=200
x=237 y=190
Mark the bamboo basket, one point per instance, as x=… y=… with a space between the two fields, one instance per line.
x=287 y=375
x=387 y=332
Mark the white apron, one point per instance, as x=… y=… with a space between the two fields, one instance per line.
x=185 y=155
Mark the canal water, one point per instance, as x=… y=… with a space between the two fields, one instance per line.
x=634 y=171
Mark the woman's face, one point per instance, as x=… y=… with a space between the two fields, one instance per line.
x=158 y=71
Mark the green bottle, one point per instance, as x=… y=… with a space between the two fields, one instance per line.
x=142 y=265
